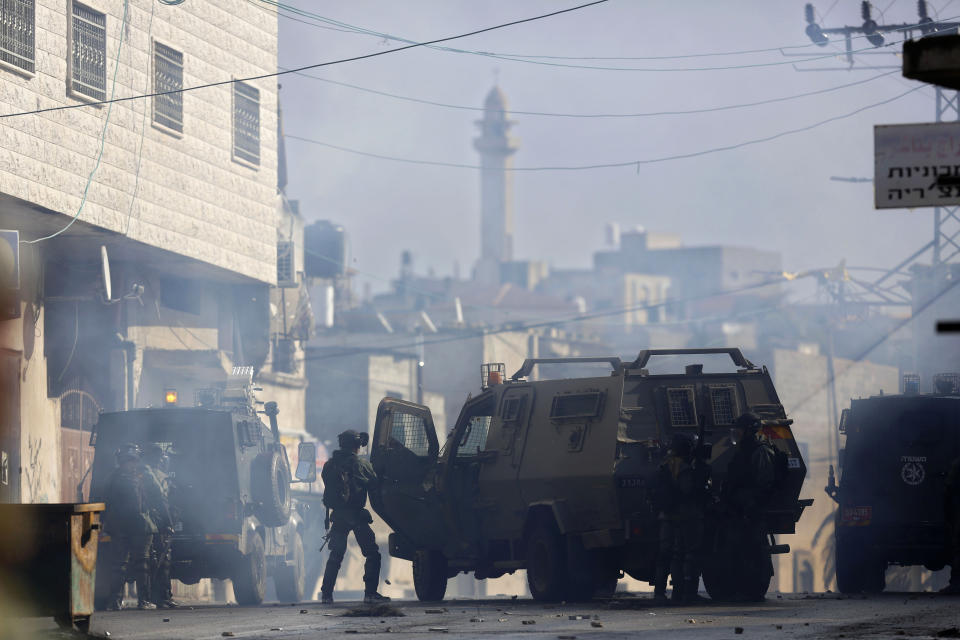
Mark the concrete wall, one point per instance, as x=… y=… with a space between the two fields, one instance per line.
x=38 y=470
x=191 y=197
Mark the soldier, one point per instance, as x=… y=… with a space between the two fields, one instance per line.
x=951 y=508
x=751 y=478
x=157 y=488
x=682 y=498
x=346 y=478
x=127 y=521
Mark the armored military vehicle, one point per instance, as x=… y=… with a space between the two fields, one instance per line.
x=557 y=476
x=893 y=467
x=229 y=488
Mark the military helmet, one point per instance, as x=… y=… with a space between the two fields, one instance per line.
x=129 y=451
x=350 y=439
x=748 y=420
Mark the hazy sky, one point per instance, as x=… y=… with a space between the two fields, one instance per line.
x=775 y=195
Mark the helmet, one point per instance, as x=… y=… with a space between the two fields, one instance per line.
x=681 y=445
x=129 y=451
x=748 y=420
x=350 y=439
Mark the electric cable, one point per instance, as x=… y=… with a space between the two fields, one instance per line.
x=103 y=136
x=540 y=324
x=317 y=65
x=648 y=114
x=143 y=125
x=609 y=165
x=499 y=56
x=346 y=27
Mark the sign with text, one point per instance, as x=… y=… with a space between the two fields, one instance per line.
x=916 y=165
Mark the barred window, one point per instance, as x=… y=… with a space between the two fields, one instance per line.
x=682 y=410
x=168 y=76
x=17 y=33
x=723 y=401
x=88 y=75
x=410 y=432
x=246 y=122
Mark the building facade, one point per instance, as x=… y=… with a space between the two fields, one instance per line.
x=147 y=228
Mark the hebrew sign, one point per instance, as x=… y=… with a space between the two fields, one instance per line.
x=916 y=165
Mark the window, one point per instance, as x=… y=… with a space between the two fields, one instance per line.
x=723 y=401
x=511 y=409
x=682 y=409
x=246 y=123
x=410 y=432
x=88 y=71
x=286 y=276
x=168 y=76
x=576 y=405
x=474 y=437
x=16 y=33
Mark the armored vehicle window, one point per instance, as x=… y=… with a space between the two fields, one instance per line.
x=475 y=437
x=511 y=409
x=682 y=411
x=723 y=401
x=576 y=405
x=410 y=432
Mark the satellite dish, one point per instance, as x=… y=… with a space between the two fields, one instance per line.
x=105 y=259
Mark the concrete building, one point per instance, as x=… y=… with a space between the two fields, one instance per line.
x=180 y=190
x=496 y=148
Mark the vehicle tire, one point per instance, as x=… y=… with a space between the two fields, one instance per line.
x=429 y=575
x=589 y=572
x=546 y=561
x=271 y=488
x=736 y=576
x=250 y=574
x=858 y=570
x=288 y=580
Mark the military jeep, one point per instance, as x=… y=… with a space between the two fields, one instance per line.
x=229 y=489
x=893 y=467
x=557 y=477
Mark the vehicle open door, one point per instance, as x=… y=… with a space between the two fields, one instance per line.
x=404 y=455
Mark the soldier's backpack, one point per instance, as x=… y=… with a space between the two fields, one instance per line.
x=336 y=485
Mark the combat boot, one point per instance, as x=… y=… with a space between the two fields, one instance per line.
x=326 y=598
x=372 y=597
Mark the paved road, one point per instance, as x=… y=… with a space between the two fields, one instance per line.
x=789 y=616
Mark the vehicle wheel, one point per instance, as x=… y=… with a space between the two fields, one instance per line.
x=738 y=576
x=288 y=580
x=857 y=569
x=429 y=575
x=250 y=575
x=271 y=488
x=588 y=572
x=546 y=561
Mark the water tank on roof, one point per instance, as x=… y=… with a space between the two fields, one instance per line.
x=325 y=250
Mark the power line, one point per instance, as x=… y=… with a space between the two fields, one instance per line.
x=608 y=165
x=550 y=323
x=305 y=67
x=648 y=114
x=535 y=59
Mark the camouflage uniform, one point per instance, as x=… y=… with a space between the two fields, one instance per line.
x=157 y=490
x=131 y=529
x=681 y=503
x=350 y=516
